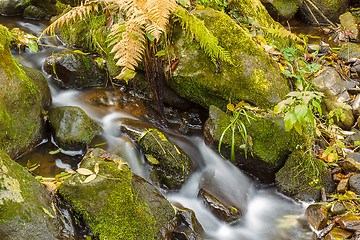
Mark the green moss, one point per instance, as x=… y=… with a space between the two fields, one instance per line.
x=254 y=78
x=21 y=102
x=109 y=206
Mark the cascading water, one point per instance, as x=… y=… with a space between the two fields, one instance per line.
x=268 y=215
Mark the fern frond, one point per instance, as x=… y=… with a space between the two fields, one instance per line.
x=76 y=12
x=206 y=39
x=158 y=12
x=278 y=31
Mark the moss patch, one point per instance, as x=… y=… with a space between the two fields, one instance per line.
x=254 y=78
x=108 y=204
x=20 y=98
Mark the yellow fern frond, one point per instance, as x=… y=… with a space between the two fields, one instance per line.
x=158 y=12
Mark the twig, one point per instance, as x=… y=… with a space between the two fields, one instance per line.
x=318 y=10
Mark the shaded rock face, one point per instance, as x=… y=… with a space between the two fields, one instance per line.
x=332 y=9
x=169 y=164
x=73 y=128
x=271 y=144
x=282 y=9
x=23 y=201
x=13 y=7
x=33 y=12
x=351 y=163
x=336 y=96
x=299 y=178
x=22 y=98
x=254 y=78
x=75 y=70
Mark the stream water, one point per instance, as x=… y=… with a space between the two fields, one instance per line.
x=268 y=215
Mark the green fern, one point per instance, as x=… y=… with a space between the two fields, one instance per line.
x=278 y=31
x=208 y=42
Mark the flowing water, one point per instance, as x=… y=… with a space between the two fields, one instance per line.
x=268 y=215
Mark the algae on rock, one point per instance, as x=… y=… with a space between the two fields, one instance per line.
x=302 y=175
x=108 y=204
x=20 y=101
x=23 y=201
x=255 y=78
x=271 y=144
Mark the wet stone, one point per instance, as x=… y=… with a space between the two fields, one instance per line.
x=350 y=222
x=188 y=227
x=351 y=163
x=222 y=211
x=316 y=215
x=354 y=183
x=337 y=209
x=343 y=185
x=338 y=233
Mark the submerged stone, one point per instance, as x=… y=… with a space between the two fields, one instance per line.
x=169 y=164
x=72 y=128
x=25 y=206
x=253 y=78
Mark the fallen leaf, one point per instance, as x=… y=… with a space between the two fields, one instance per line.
x=48 y=212
x=96 y=168
x=89 y=178
x=84 y=171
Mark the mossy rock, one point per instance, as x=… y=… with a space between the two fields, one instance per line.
x=13 y=7
x=72 y=128
x=23 y=202
x=282 y=9
x=109 y=205
x=169 y=164
x=332 y=9
x=73 y=70
x=349 y=50
x=33 y=12
x=271 y=144
x=302 y=177
x=254 y=78
x=21 y=121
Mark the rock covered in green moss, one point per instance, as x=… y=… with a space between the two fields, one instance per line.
x=270 y=144
x=169 y=164
x=282 y=9
x=25 y=206
x=254 y=78
x=302 y=177
x=115 y=205
x=21 y=120
x=75 y=70
x=349 y=22
x=72 y=128
x=332 y=9
x=33 y=12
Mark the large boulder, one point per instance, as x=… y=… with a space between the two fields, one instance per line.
x=72 y=128
x=21 y=102
x=75 y=70
x=169 y=164
x=303 y=176
x=269 y=143
x=282 y=9
x=25 y=206
x=120 y=205
x=253 y=78
x=332 y=9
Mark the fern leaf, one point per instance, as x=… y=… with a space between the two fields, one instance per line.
x=206 y=39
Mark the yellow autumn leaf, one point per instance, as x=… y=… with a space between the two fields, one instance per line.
x=84 y=171
x=89 y=178
x=96 y=168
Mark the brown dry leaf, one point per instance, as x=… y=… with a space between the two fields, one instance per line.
x=89 y=178
x=69 y=170
x=84 y=171
x=96 y=168
x=50 y=187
